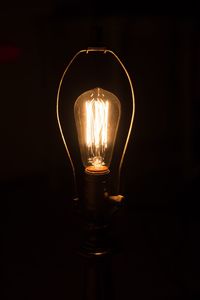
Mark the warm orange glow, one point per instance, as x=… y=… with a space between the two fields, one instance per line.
x=97 y=129
x=97 y=123
x=96 y=170
x=97 y=114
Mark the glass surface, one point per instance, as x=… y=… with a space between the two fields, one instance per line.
x=97 y=114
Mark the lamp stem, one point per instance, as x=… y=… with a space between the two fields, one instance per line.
x=97 y=278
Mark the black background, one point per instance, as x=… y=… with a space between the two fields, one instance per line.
x=159 y=225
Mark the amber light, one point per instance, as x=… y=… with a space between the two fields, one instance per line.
x=97 y=114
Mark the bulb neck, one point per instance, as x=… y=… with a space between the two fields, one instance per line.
x=92 y=170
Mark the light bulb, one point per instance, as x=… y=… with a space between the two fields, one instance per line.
x=97 y=114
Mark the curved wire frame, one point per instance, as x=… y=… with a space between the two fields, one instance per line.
x=104 y=50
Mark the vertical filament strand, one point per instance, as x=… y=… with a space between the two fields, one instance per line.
x=97 y=127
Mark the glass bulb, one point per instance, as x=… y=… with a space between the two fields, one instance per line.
x=97 y=114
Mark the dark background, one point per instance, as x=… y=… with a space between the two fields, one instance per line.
x=159 y=225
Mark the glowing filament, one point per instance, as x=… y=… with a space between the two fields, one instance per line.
x=97 y=129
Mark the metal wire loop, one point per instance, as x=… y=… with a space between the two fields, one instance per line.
x=87 y=51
